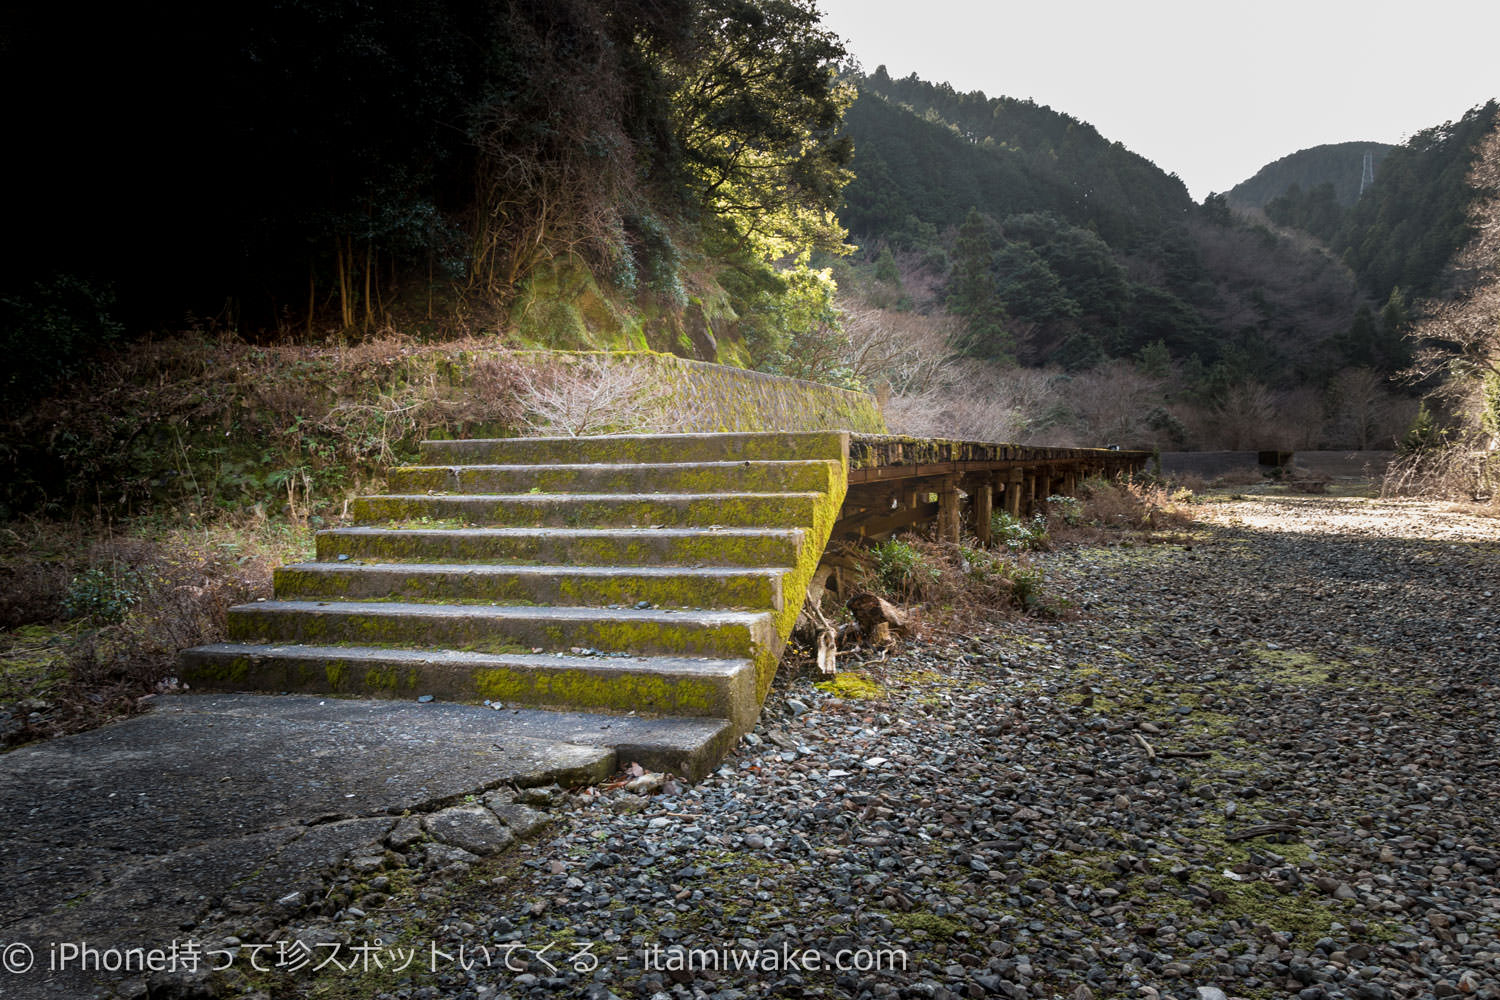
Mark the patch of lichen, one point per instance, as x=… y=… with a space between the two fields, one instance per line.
x=1292 y=666
x=925 y=924
x=1154 y=702
x=855 y=685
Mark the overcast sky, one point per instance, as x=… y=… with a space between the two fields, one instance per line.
x=1208 y=90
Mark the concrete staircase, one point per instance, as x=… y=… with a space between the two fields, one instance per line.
x=657 y=575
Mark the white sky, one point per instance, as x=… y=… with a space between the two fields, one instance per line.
x=1208 y=90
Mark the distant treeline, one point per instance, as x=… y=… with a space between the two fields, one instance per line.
x=1054 y=245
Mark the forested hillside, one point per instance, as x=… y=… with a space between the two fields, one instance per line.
x=1339 y=165
x=688 y=176
x=1055 y=245
x=1407 y=227
x=573 y=172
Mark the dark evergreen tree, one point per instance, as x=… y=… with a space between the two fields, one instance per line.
x=972 y=291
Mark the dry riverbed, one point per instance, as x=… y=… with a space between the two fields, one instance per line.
x=1263 y=762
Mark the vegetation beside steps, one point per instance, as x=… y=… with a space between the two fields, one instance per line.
x=656 y=574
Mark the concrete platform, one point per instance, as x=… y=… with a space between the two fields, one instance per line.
x=126 y=836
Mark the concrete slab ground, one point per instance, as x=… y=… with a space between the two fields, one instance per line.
x=127 y=836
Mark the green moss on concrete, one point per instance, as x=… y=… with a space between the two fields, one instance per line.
x=561 y=510
x=744 y=477
x=794 y=584
x=218 y=673
x=757 y=591
x=750 y=639
x=583 y=689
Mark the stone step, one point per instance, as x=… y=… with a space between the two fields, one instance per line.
x=505 y=629
x=567 y=546
x=779 y=510
x=639 y=448
x=673 y=477
x=672 y=587
x=670 y=686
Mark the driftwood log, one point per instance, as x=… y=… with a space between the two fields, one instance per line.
x=878 y=619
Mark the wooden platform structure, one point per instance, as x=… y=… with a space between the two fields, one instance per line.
x=898 y=482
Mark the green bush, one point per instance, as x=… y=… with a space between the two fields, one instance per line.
x=1025 y=585
x=1070 y=509
x=1018 y=534
x=989 y=570
x=901 y=569
x=100 y=596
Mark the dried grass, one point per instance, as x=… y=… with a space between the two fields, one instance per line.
x=175 y=591
x=1114 y=508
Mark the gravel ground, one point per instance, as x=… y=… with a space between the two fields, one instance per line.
x=1261 y=764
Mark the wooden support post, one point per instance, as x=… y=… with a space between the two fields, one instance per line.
x=948 y=510
x=1028 y=493
x=1013 y=482
x=984 y=507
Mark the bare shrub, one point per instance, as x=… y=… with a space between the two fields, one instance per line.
x=135 y=602
x=31 y=592
x=1446 y=472
x=554 y=189
x=1246 y=418
x=976 y=401
x=1301 y=418
x=906 y=351
x=595 y=394
x=1113 y=403
x=1363 y=412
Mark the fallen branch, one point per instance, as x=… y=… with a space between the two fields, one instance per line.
x=1141 y=742
x=1263 y=830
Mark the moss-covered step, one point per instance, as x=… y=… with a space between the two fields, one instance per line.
x=567 y=546
x=636 y=449
x=661 y=477
x=778 y=510
x=672 y=587
x=506 y=628
x=676 y=686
